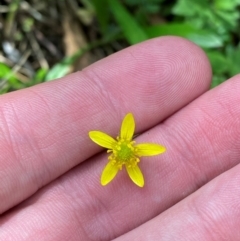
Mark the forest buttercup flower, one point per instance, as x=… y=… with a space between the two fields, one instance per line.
x=124 y=151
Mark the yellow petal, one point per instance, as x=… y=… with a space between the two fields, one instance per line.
x=128 y=127
x=149 y=149
x=136 y=175
x=102 y=139
x=109 y=172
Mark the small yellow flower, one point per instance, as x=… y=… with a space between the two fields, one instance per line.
x=124 y=151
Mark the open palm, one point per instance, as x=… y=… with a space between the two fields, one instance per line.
x=50 y=169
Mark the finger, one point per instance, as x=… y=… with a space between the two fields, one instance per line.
x=44 y=129
x=211 y=213
x=191 y=160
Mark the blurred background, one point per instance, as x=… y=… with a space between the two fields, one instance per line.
x=44 y=40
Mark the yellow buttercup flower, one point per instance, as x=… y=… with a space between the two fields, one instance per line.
x=124 y=151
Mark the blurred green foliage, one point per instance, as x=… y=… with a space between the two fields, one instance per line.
x=212 y=24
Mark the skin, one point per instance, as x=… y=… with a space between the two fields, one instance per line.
x=50 y=170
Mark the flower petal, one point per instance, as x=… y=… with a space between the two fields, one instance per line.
x=149 y=149
x=102 y=139
x=136 y=175
x=109 y=172
x=128 y=127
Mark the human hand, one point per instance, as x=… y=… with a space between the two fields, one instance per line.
x=44 y=134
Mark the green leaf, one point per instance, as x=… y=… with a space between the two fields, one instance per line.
x=9 y=79
x=217 y=80
x=219 y=62
x=61 y=69
x=102 y=12
x=190 y=8
x=133 y=32
x=57 y=71
x=203 y=38
x=226 y=5
x=16 y=84
x=233 y=56
x=6 y=72
x=39 y=77
x=228 y=19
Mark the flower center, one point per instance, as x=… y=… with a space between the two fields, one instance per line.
x=123 y=154
x=124 y=151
